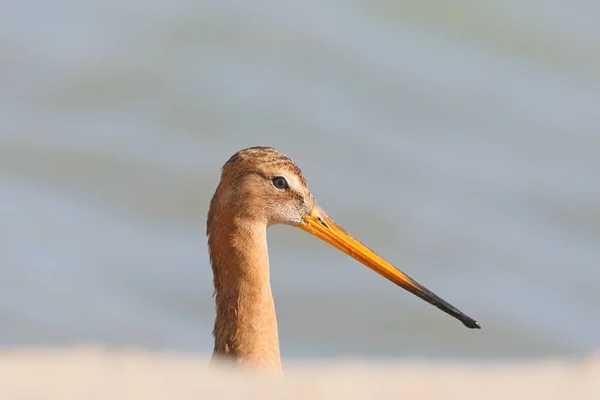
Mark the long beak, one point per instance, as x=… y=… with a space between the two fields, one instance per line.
x=323 y=227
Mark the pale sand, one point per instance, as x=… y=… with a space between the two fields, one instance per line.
x=88 y=373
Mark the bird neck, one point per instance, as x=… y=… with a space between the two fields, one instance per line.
x=245 y=328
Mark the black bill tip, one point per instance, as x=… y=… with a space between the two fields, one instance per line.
x=470 y=323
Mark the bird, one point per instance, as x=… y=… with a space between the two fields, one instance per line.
x=260 y=187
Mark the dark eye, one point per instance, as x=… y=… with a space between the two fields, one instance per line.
x=280 y=183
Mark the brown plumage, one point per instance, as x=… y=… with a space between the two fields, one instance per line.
x=260 y=187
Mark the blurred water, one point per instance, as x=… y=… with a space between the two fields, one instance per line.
x=459 y=141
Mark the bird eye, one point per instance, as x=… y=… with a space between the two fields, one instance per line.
x=280 y=183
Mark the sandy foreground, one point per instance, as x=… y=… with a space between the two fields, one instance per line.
x=92 y=373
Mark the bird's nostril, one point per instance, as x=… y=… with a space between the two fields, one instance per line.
x=322 y=222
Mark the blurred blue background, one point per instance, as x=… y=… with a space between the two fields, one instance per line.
x=459 y=140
